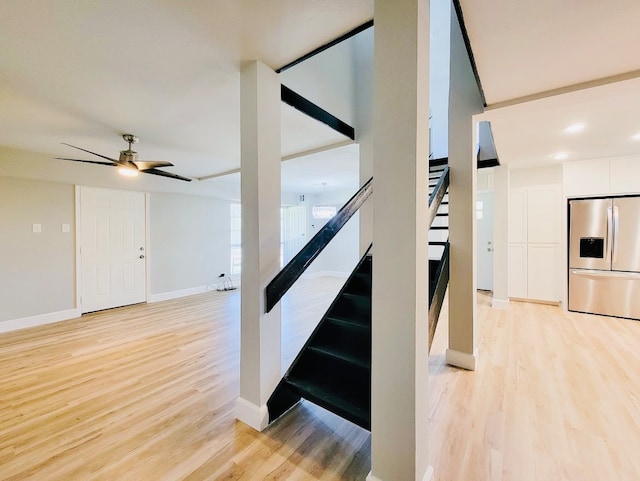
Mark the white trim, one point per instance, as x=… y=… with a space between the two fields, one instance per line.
x=78 y=245
x=165 y=296
x=147 y=237
x=255 y=416
x=461 y=359
x=39 y=320
x=500 y=303
x=427 y=476
x=314 y=275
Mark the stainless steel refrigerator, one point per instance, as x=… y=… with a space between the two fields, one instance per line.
x=604 y=256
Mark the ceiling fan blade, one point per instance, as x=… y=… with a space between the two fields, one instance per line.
x=111 y=164
x=165 y=174
x=143 y=165
x=89 y=152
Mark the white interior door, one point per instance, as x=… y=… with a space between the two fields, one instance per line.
x=112 y=248
x=484 y=219
x=294 y=228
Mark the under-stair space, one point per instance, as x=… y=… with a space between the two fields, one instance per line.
x=333 y=368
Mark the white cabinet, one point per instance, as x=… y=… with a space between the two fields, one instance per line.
x=542 y=267
x=611 y=176
x=586 y=177
x=625 y=175
x=535 y=218
x=518 y=271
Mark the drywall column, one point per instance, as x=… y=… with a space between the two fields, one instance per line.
x=464 y=101
x=260 y=194
x=363 y=46
x=399 y=377
x=500 y=237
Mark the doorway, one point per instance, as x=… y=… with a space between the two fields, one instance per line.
x=113 y=254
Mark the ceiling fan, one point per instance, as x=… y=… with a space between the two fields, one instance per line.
x=128 y=163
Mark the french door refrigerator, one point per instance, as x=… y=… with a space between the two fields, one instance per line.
x=604 y=256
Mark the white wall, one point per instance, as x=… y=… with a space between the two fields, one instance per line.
x=37 y=270
x=439 y=77
x=341 y=255
x=189 y=248
x=189 y=241
x=327 y=80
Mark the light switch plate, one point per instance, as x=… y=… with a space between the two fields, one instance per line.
x=37 y=228
x=66 y=228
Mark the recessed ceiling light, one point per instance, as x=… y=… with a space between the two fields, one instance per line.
x=560 y=155
x=574 y=128
x=636 y=137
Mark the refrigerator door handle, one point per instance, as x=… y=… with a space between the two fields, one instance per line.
x=609 y=233
x=616 y=230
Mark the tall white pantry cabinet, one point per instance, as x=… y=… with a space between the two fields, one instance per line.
x=534 y=230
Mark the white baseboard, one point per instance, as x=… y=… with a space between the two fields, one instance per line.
x=500 y=303
x=313 y=275
x=427 y=476
x=39 y=320
x=255 y=416
x=461 y=359
x=165 y=296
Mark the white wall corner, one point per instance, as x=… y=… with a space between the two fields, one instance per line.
x=39 y=320
x=461 y=359
x=500 y=303
x=428 y=476
x=255 y=416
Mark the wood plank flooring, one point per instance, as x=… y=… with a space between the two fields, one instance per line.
x=147 y=393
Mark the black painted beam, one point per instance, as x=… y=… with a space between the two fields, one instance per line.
x=290 y=273
x=307 y=107
x=327 y=45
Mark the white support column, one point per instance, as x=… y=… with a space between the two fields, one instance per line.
x=500 y=237
x=399 y=377
x=364 y=128
x=464 y=102
x=260 y=173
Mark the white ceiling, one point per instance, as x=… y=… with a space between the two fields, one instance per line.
x=545 y=56
x=165 y=70
x=168 y=71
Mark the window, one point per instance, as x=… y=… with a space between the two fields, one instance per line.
x=236 y=235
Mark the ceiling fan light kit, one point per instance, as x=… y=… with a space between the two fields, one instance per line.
x=128 y=163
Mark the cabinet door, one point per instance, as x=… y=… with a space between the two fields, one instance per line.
x=517 y=216
x=544 y=214
x=625 y=172
x=542 y=272
x=586 y=177
x=517 y=271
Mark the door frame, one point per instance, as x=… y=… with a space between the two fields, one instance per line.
x=77 y=219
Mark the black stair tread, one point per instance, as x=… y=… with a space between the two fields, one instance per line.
x=439 y=227
x=437 y=243
x=326 y=397
x=347 y=357
x=357 y=297
x=348 y=322
x=442 y=214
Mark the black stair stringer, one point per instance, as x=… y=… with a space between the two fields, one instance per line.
x=333 y=368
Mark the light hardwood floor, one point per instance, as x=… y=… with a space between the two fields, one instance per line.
x=146 y=393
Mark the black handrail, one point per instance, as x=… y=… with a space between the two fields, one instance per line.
x=290 y=273
x=437 y=195
x=435 y=303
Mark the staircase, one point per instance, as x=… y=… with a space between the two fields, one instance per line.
x=333 y=368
